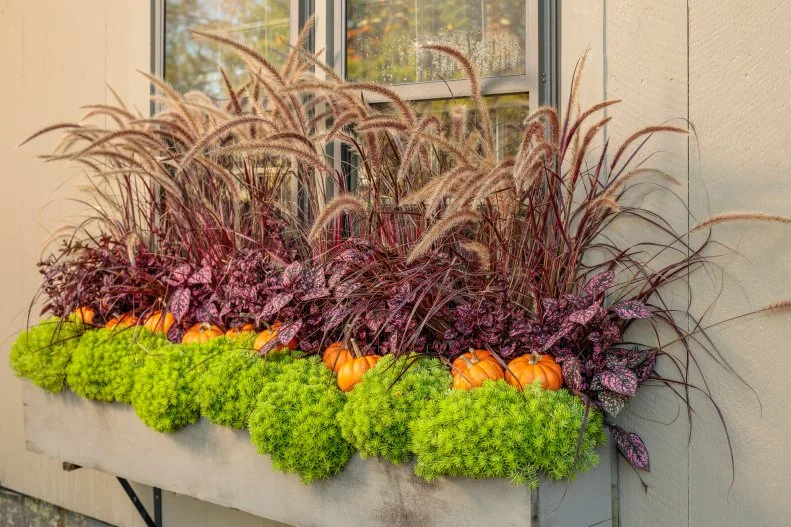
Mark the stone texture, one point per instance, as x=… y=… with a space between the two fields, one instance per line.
x=18 y=510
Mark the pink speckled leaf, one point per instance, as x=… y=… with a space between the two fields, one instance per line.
x=599 y=284
x=611 y=402
x=201 y=276
x=180 y=303
x=585 y=316
x=621 y=380
x=277 y=303
x=632 y=448
x=631 y=309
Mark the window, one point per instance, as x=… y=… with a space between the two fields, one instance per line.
x=194 y=65
x=383 y=38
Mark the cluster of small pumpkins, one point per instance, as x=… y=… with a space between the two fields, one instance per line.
x=470 y=370
x=162 y=321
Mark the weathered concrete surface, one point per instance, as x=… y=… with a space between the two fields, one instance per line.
x=19 y=510
x=219 y=465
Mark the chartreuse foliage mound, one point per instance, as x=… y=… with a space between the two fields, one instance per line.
x=229 y=386
x=42 y=352
x=378 y=411
x=104 y=362
x=495 y=431
x=167 y=383
x=294 y=421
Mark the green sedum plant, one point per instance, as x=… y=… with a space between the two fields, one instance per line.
x=496 y=431
x=379 y=409
x=42 y=353
x=294 y=421
x=104 y=362
x=166 y=385
x=229 y=387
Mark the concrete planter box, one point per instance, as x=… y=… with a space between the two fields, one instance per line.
x=219 y=465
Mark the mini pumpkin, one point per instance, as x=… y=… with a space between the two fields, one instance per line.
x=522 y=371
x=202 y=332
x=268 y=334
x=159 y=321
x=122 y=321
x=336 y=355
x=475 y=368
x=473 y=357
x=84 y=314
x=353 y=370
x=234 y=333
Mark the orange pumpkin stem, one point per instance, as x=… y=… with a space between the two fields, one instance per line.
x=535 y=357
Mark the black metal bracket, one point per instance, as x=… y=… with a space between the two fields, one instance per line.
x=141 y=510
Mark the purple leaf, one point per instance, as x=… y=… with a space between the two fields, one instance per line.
x=646 y=368
x=597 y=285
x=631 y=309
x=564 y=330
x=291 y=273
x=334 y=317
x=201 y=276
x=585 y=316
x=349 y=255
x=632 y=448
x=572 y=374
x=338 y=274
x=180 y=303
x=289 y=331
x=346 y=288
x=612 y=403
x=620 y=380
x=175 y=333
x=179 y=274
x=277 y=303
x=316 y=293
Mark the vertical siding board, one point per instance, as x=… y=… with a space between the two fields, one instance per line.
x=741 y=107
x=646 y=67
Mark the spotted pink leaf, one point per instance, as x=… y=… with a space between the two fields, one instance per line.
x=597 y=285
x=621 y=380
x=180 y=303
x=631 y=309
x=201 y=276
x=632 y=448
x=611 y=402
x=585 y=316
x=572 y=374
x=277 y=303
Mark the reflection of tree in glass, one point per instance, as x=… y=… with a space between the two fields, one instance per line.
x=193 y=65
x=383 y=38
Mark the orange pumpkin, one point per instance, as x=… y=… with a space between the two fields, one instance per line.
x=84 y=314
x=353 y=370
x=473 y=357
x=336 y=355
x=522 y=371
x=121 y=321
x=475 y=369
x=268 y=334
x=202 y=332
x=234 y=333
x=159 y=321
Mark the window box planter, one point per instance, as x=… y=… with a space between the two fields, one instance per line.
x=219 y=465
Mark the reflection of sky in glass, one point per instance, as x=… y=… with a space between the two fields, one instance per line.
x=383 y=38
x=194 y=65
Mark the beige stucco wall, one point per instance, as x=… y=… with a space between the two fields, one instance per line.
x=724 y=65
x=721 y=65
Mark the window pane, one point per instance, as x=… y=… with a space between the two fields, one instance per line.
x=383 y=38
x=194 y=65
